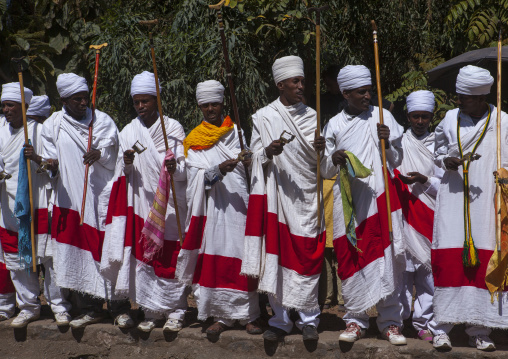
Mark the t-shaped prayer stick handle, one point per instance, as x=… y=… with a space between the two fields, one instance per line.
x=98 y=48
x=217 y=6
x=318 y=11
x=374 y=26
x=18 y=61
x=148 y=23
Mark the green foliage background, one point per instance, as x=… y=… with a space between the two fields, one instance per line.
x=415 y=36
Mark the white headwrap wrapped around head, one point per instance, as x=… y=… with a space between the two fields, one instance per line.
x=39 y=106
x=69 y=84
x=353 y=76
x=422 y=100
x=473 y=80
x=210 y=91
x=12 y=92
x=144 y=84
x=287 y=67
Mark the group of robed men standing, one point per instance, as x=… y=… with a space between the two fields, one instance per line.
x=269 y=240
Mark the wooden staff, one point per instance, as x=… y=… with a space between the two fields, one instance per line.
x=150 y=23
x=90 y=127
x=30 y=192
x=318 y=11
x=236 y=115
x=498 y=185
x=383 y=149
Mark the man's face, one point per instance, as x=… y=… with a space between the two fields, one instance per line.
x=292 y=89
x=76 y=104
x=13 y=113
x=358 y=99
x=145 y=106
x=212 y=112
x=471 y=105
x=420 y=121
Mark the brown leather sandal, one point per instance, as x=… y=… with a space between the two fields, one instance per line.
x=215 y=329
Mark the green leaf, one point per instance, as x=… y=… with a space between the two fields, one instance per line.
x=25 y=46
x=59 y=42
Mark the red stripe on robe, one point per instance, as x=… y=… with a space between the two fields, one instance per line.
x=6 y=286
x=373 y=238
x=214 y=271
x=9 y=239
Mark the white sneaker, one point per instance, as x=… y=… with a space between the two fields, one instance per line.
x=442 y=342
x=124 y=321
x=3 y=317
x=393 y=335
x=85 y=319
x=62 y=319
x=173 y=325
x=24 y=318
x=352 y=333
x=149 y=324
x=482 y=342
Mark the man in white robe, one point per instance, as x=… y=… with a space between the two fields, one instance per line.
x=420 y=179
x=39 y=109
x=16 y=256
x=212 y=253
x=77 y=248
x=465 y=204
x=284 y=242
x=149 y=283
x=370 y=264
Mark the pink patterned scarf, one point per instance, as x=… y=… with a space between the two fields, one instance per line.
x=152 y=234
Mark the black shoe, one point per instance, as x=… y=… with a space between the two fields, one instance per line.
x=309 y=332
x=274 y=334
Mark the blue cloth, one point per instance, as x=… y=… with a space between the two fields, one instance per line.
x=22 y=213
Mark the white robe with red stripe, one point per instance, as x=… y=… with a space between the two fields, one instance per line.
x=284 y=243
x=77 y=249
x=418 y=200
x=11 y=143
x=152 y=285
x=461 y=295
x=376 y=272
x=212 y=253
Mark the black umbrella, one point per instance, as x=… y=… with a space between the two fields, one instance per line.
x=445 y=75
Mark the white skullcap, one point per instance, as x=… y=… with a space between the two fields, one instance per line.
x=352 y=77
x=287 y=67
x=69 y=84
x=39 y=106
x=12 y=92
x=143 y=84
x=422 y=100
x=210 y=91
x=473 y=80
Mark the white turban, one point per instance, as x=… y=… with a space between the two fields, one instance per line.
x=39 y=106
x=210 y=91
x=422 y=100
x=12 y=92
x=144 y=84
x=352 y=77
x=286 y=68
x=473 y=80
x=69 y=84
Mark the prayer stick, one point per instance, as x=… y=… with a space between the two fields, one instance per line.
x=97 y=49
x=236 y=115
x=383 y=149
x=318 y=11
x=159 y=104
x=498 y=186
x=25 y=127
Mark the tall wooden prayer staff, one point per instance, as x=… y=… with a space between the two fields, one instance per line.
x=318 y=100
x=498 y=186
x=97 y=49
x=159 y=104
x=25 y=127
x=236 y=115
x=383 y=149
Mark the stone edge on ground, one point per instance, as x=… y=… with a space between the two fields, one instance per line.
x=43 y=339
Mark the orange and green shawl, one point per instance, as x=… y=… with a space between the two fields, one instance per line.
x=205 y=135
